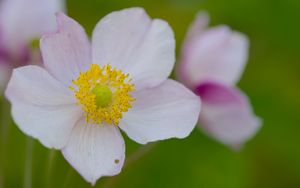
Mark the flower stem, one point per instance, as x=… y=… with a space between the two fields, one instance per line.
x=28 y=163
x=67 y=178
x=4 y=131
x=138 y=154
x=51 y=161
x=141 y=152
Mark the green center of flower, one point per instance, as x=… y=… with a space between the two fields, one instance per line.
x=35 y=43
x=103 y=95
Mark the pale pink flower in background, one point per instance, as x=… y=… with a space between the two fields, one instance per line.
x=87 y=92
x=21 y=22
x=212 y=62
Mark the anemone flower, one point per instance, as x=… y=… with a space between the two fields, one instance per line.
x=21 y=23
x=212 y=61
x=86 y=92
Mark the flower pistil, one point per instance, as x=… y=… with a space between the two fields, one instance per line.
x=104 y=94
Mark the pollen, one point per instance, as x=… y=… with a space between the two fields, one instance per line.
x=104 y=93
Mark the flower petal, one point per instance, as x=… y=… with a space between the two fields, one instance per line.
x=41 y=106
x=166 y=111
x=24 y=20
x=132 y=42
x=227 y=115
x=217 y=54
x=95 y=150
x=66 y=52
x=198 y=26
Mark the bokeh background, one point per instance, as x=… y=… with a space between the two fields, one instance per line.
x=272 y=80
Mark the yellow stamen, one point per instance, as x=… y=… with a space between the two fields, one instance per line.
x=104 y=94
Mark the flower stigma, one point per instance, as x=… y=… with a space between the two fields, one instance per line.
x=35 y=43
x=104 y=93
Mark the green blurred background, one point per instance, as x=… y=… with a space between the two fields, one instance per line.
x=272 y=77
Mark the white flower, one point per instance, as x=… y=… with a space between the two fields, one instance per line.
x=86 y=92
x=212 y=62
x=21 y=23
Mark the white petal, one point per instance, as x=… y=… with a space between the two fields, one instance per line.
x=227 y=115
x=217 y=54
x=166 y=111
x=24 y=20
x=95 y=150
x=66 y=52
x=41 y=106
x=198 y=26
x=132 y=42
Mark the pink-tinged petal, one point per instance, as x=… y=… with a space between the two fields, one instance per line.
x=227 y=115
x=218 y=54
x=4 y=54
x=41 y=106
x=14 y=56
x=95 y=150
x=24 y=20
x=66 y=52
x=132 y=42
x=166 y=111
x=198 y=26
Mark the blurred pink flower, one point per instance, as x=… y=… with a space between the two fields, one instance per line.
x=212 y=62
x=86 y=92
x=21 y=22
